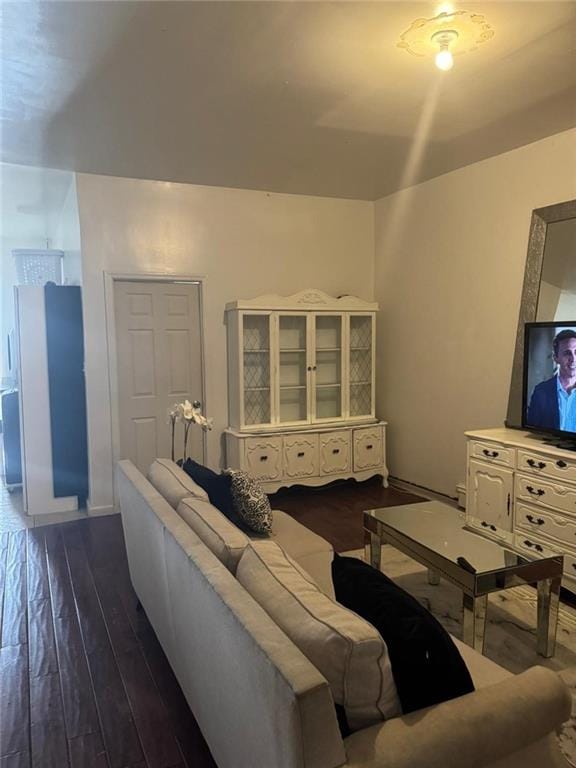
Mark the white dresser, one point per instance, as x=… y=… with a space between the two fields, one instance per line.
x=301 y=385
x=522 y=491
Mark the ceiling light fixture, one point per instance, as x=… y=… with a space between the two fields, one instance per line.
x=444 y=59
x=445 y=36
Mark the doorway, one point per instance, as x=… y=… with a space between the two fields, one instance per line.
x=159 y=362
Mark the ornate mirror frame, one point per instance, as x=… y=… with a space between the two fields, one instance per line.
x=541 y=218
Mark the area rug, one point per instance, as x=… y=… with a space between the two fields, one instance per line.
x=510 y=638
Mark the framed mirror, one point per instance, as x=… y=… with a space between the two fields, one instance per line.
x=549 y=289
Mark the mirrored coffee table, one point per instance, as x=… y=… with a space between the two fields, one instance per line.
x=434 y=535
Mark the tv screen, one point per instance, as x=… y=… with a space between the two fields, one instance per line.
x=549 y=385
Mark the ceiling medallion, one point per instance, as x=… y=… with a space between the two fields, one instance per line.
x=446 y=35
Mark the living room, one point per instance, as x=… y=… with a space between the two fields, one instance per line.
x=435 y=229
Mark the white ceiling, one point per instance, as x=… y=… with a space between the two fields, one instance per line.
x=301 y=97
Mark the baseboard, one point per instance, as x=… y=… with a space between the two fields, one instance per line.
x=461 y=494
x=108 y=509
x=420 y=490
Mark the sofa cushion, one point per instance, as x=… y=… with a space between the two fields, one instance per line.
x=346 y=649
x=250 y=502
x=426 y=665
x=173 y=483
x=220 y=535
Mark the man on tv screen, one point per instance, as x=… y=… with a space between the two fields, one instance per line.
x=553 y=402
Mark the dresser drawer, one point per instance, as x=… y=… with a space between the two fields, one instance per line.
x=537 y=490
x=263 y=457
x=533 y=546
x=301 y=456
x=368 y=448
x=334 y=452
x=492 y=452
x=536 y=520
x=561 y=469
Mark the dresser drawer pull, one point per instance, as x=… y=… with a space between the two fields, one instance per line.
x=532 y=519
x=335 y=450
x=531 y=545
x=263 y=458
x=490 y=454
x=535 y=491
x=562 y=464
x=369 y=447
x=484 y=524
x=536 y=464
x=300 y=454
x=574 y=566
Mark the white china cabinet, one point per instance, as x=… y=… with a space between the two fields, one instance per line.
x=302 y=371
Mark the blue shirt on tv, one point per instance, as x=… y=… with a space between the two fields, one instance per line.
x=566 y=407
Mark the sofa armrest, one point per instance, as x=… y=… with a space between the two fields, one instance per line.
x=474 y=730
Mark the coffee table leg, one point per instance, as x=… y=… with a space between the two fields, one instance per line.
x=548 y=598
x=474 y=621
x=433 y=577
x=372 y=549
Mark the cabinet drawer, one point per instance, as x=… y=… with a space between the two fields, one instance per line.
x=334 y=452
x=492 y=452
x=552 y=466
x=569 y=567
x=263 y=457
x=536 y=490
x=533 y=546
x=368 y=448
x=301 y=456
x=540 y=521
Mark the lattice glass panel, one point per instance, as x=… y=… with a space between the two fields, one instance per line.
x=256 y=369
x=256 y=332
x=360 y=399
x=360 y=366
x=360 y=331
x=257 y=406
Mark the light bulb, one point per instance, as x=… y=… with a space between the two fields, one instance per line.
x=444 y=60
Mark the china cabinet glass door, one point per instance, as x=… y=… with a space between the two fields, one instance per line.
x=361 y=365
x=292 y=369
x=328 y=367
x=256 y=368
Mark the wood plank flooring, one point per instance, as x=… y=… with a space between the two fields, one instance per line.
x=84 y=682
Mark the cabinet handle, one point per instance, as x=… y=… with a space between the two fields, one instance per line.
x=490 y=454
x=484 y=524
x=535 y=491
x=536 y=464
x=309 y=368
x=492 y=527
x=369 y=447
x=300 y=454
x=313 y=367
x=508 y=505
x=335 y=450
x=537 y=520
x=574 y=566
x=263 y=458
x=531 y=545
x=562 y=464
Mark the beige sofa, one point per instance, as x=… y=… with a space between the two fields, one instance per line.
x=258 y=699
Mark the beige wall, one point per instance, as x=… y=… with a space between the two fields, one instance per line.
x=244 y=243
x=450 y=257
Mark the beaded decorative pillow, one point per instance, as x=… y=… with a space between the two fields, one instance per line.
x=250 y=502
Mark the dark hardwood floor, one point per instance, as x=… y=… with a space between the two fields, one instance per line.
x=84 y=682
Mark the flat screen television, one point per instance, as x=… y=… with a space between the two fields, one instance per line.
x=549 y=381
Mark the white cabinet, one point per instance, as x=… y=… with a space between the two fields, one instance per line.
x=302 y=368
x=300 y=360
x=523 y=491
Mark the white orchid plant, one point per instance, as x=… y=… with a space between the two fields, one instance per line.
x=188 y=413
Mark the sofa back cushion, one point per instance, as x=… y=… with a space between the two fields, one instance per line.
x=345 y=648
x=173 y=483
x=221 y=536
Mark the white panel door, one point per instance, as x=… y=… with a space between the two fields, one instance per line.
x=489 y=496
x=159 y=363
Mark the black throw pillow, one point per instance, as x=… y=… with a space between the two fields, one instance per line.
x=218 y=487
x=426 y=664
